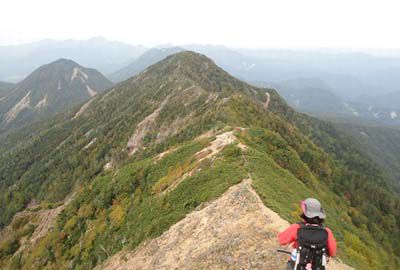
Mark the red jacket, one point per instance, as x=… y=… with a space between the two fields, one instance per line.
x=290 y=236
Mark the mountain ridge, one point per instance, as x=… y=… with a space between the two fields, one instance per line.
x=246 y=238
x=197 y=131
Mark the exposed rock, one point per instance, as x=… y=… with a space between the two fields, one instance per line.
x=42 y=103
x=78 y=73
x=266 y=104
x=93 y=141
x=135 y=141
x=82 y=109
x=24 y=103
x=91 y=92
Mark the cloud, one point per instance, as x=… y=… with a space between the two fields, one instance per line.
x=251 y=23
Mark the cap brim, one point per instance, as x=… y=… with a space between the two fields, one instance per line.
x=315 y=214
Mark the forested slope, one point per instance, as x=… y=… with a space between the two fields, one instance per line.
x=146 y=153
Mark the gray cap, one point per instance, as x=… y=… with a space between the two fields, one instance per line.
x=312 y=208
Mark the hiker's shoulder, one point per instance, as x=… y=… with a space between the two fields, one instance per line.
x=291 y=229
x=328 y=230
x=295 y=226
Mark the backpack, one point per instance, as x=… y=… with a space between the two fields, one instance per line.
x=312 y=245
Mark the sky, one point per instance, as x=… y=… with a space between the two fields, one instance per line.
x=250 y=23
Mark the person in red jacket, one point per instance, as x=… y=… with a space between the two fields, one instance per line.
x=313 y=217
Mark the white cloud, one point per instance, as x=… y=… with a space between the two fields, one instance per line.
x=250 y=23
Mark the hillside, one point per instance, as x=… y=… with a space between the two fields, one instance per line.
x=142 y=156
x=381 y=144
x=50 y=89
x=5 y=88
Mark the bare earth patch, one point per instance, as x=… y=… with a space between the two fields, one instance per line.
x=82 y=109
x=266 y=104
x=216 y=146
x=209 y=152
x=42 y=103
x=43 y=220
x=78 y=73
x=236 y=231
x=46 y=220
x=90 y=91
x=24 y=103
x=135 y=141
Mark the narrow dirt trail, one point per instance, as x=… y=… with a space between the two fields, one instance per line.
x=236 y=231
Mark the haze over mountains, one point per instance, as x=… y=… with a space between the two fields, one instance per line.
x=131 y=163
x=350 y=74
x=106 y=56
x=148 y=58
x=315 y=97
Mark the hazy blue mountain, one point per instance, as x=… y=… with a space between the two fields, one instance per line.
x=142 y=62
x=350 y=74
x=18 y=61
x=315 y=97
x=311 y=96
x=390 y=100
x=50 y=89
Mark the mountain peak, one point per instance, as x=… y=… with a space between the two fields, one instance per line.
x=190 y=57
x=50 y=88
x=188 y=64
x=63 y=61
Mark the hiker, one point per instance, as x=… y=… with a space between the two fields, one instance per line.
x=312 y=243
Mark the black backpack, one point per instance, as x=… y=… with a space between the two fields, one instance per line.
x=312 y=244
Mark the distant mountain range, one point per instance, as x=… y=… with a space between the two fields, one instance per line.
x=315 y=97
x=389 y=100
x=349 y=74
x=51 y=88
x=310 y=96
x=18 y=61
x=148 y=58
